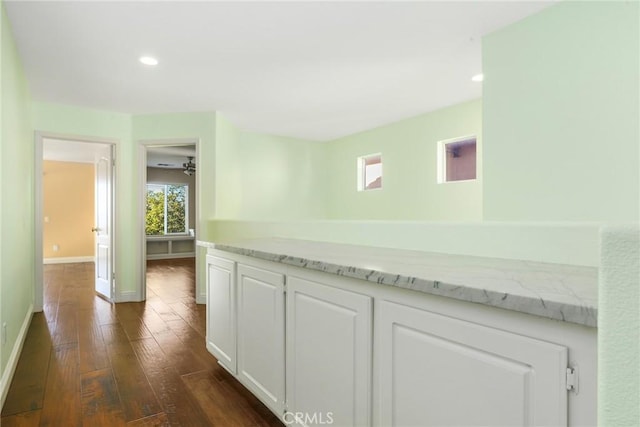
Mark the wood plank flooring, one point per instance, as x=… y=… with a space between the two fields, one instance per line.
x=86 y=362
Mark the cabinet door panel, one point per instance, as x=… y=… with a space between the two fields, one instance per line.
x=221 y=311
x=328 y=352
x=436 y=370
x=261 y=334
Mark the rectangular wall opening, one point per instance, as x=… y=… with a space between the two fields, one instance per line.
x=370 y=172
x=457 y=159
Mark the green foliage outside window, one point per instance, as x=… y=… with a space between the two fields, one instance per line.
x=166 y=209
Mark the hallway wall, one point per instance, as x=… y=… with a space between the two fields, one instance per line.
x=17 y=247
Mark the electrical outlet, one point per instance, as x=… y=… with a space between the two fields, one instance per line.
x=56 y=248
x=4 y=333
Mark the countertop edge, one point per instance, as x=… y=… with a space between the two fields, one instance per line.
x=205 y=244
x=566 y=312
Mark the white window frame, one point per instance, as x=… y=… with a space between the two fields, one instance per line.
x=442 y=158
x=186 y=206
x=362 y=170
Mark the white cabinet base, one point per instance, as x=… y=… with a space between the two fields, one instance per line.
x=435 y=370
x=261 y=334
x=328 y=353
x=221 y=311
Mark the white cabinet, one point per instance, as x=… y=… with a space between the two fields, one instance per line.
x=261 y=362
x=435 y=370
x=221 y=311
x=319 y=348
x=329 y=353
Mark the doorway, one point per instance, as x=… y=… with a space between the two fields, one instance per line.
x=169 y=206
x=74 y=207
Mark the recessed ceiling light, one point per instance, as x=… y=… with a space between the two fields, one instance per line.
x=148 y=60
x=477 y=78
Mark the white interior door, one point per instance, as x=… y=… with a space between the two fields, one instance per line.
x=104 y=222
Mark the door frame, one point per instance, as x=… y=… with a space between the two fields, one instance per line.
x=38 y=297
x=143 y=145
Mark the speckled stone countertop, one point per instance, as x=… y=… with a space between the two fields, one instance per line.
x=562 y=292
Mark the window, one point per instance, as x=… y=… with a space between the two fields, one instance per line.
x=457 y=159
x=370 y=172
x=167 y=211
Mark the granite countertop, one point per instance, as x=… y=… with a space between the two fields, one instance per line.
x=562 y=292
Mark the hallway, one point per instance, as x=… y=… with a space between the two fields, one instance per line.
x=86 y=362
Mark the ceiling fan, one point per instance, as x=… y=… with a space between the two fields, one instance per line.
x=189 y=168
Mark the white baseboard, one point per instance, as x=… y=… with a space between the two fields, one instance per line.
x=201 y=299
x=171 y=256
x=68 y=260
x=12 y=363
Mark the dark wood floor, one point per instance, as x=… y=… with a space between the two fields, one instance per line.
x=86 y=362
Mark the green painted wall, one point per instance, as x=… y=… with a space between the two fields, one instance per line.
x=619 y=327
x=228 y=197
x=80 y=121
x=268 y=177
x=560 y=103
x=410 y=190
x=561 y=243
x=16 y=190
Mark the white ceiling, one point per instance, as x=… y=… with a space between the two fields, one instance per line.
x=170 y=157
x=70 y=151
x=314 y=70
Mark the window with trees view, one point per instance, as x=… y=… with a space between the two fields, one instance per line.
x=166 y=209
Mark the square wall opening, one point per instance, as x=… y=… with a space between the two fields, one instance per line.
x=457 y=159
